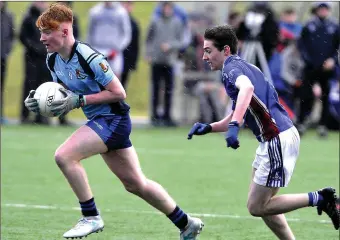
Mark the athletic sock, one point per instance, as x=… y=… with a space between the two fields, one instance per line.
x=89 y=208
x=179 y=218
x=315 y=198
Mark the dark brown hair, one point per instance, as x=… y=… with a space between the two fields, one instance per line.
x=222 y=36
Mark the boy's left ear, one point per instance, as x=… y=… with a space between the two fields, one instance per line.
x=226 y=50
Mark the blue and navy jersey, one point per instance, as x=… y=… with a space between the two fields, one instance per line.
x=265 y=116
x=85 y=72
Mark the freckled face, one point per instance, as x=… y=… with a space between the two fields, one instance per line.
x=52 y=39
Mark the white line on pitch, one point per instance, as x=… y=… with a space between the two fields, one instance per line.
x=207 y=215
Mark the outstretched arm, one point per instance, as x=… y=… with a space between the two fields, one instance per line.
x=204 y=128
x=222 y=125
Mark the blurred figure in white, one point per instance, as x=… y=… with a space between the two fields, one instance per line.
x=110 y=32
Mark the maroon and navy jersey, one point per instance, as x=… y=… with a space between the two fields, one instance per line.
x=265 y=116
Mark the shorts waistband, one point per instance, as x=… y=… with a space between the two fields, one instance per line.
x=262 y=139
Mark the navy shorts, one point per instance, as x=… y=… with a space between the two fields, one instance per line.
x=114 y=130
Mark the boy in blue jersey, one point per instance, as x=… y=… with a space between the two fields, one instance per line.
x=90 y=84
x=255 y=102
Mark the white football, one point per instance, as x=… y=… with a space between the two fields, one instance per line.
x=46 y=94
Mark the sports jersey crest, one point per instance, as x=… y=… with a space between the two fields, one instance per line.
x=80 y=75
x=104 y=67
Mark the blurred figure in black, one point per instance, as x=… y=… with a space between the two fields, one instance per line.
x=36 y=71
x=268 y=34
x=7 y=38
x=318 y=45
x=131 y=53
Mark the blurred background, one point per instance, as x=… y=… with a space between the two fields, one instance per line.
x=173 y=87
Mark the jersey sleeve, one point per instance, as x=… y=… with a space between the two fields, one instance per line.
x=103 y=73
x=229 y=76
x=233 y=73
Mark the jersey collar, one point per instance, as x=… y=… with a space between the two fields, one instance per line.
x=230 y=58
x=73 y=50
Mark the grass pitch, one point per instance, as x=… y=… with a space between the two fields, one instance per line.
x=203 y=176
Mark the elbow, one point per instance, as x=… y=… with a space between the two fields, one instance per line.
x=122 y=95
x=117 y=95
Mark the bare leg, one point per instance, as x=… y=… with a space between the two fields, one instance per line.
x=125 y=164
x=279 y=226
x=276 y=223
x=260 y=202
x=80 y=145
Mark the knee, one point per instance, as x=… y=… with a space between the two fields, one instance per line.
x=61 y=159
x=134 y=186
x=255 y=209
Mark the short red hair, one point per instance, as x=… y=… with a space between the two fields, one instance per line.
x=56 y=14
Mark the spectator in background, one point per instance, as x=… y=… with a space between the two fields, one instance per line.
x=110 y=32
x=162 y=46
x=202 y=88
x=288 y=27
x=7 y=39
x=179 y=12
x=182 y=15
x=318 y=45
x=286 y=64
x=291 y=73
x=268 y=31
x=36 y=71
x=286 y=68
x=289 y=22
x=131 y=53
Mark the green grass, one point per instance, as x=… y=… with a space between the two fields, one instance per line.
x=202 y=175
x=138 y=89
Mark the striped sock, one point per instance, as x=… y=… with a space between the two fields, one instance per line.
x=179 y=218
x=89 y=208
x=314 y=198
